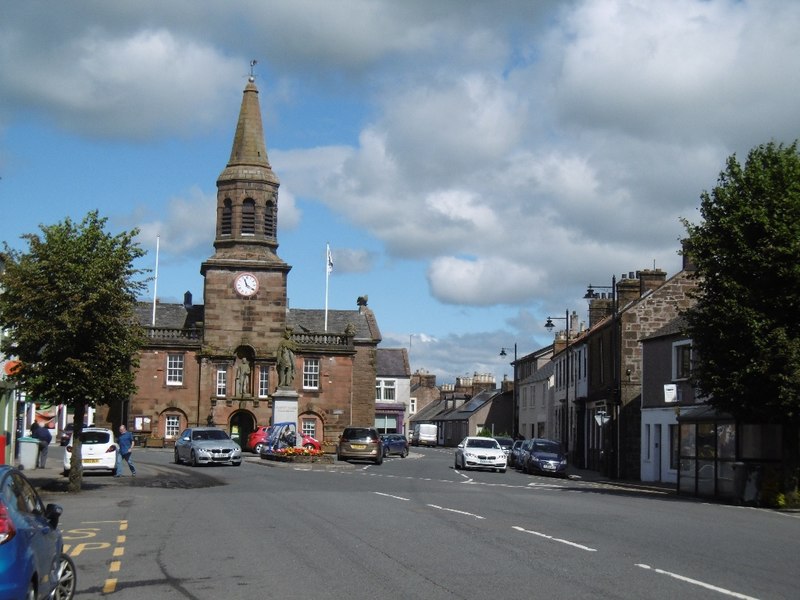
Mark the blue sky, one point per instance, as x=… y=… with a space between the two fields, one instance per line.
x=474 y=165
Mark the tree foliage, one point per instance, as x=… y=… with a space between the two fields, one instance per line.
x=68 y=307
x=745 y=326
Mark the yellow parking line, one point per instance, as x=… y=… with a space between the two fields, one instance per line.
x=110 y=586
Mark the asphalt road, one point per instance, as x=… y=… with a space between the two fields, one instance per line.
x=410 y=528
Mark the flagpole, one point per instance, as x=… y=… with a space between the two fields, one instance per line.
x=155 y=282
x=328 y=269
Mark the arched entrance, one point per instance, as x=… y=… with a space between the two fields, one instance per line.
x=241 y=424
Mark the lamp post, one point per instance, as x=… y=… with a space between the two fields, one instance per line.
x=616 y=358
x=549 y=325
x=515 y=409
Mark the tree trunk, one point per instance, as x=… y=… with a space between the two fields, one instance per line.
x=75 y=466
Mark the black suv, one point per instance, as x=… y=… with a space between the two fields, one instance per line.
x=360 y=442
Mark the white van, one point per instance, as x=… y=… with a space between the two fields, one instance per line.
x=424 y=434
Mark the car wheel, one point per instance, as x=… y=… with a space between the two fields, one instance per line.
x=502 y=470
x=237 y=464
x=379 y=460
x=177 y=457
x=258 y=448
x=194 y=459
x=67 y=580
x=404 y=453
x=65 y=472
x=31 y=593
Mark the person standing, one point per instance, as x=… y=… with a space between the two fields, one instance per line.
x=125 y=447
x=42 y=433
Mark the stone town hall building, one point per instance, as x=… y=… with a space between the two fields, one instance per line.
x=217 y=363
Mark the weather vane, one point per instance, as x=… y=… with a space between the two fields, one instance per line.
x=253 y=63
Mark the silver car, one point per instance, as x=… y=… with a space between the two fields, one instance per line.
x=207 y=445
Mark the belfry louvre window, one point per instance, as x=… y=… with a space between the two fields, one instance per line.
x=248 y=217
x=269 y=219
x=227 y=218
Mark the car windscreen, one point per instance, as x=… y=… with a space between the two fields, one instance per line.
x=95 y=437
x=551 y=447
x=487 y=443
x=357 y=433
x=210 y=434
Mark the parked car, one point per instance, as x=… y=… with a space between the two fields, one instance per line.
x=513 y=456
x=394 y=443
x=98 y=451
x=360 y=442
x=522 y=454
x=505 y=443
x=480 y=453
x=545 y=456
x=32 y=562
x=207 y=445
x=66 y=434
x=257 y=439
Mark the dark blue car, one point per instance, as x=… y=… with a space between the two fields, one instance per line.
x=394 y=443
x=32 y=564
x=545 y=457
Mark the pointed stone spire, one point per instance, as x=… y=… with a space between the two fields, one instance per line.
x=249 y=152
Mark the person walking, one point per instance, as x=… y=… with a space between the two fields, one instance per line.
x=42 y=433
x=125 y=447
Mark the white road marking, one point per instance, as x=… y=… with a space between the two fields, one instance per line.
x=391 y=496
x=461 y=512
x=559 y=540
x=708 y=586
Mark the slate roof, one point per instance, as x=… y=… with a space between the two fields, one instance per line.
x=676 y=326
x=170 y=316
x=475 y=403
x=312 y=320
x=542 y=374
x=393 y=362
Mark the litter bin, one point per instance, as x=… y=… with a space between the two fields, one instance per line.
x=28 y=452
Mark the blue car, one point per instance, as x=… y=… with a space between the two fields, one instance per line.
x=32 y=563
x=394 y=443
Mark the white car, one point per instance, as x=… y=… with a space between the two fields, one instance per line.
x=98 y=451
x=480 y=453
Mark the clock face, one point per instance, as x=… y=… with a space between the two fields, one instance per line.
x=246 y=284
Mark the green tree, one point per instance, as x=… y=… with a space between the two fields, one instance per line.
x=68 y=306
x=745 y=326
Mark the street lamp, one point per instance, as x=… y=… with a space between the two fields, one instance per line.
x=514 y=412
x=549 y=325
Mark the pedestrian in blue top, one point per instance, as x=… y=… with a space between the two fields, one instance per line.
x=125 y=446
x=42 y=434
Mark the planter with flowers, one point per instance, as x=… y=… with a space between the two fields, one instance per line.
x=298 y=455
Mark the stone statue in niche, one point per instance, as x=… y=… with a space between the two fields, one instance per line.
x=242 y=378
x=284 y=356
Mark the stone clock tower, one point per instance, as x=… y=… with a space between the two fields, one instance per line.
x=245 y=280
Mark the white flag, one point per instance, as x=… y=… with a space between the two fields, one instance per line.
x=330 y=259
